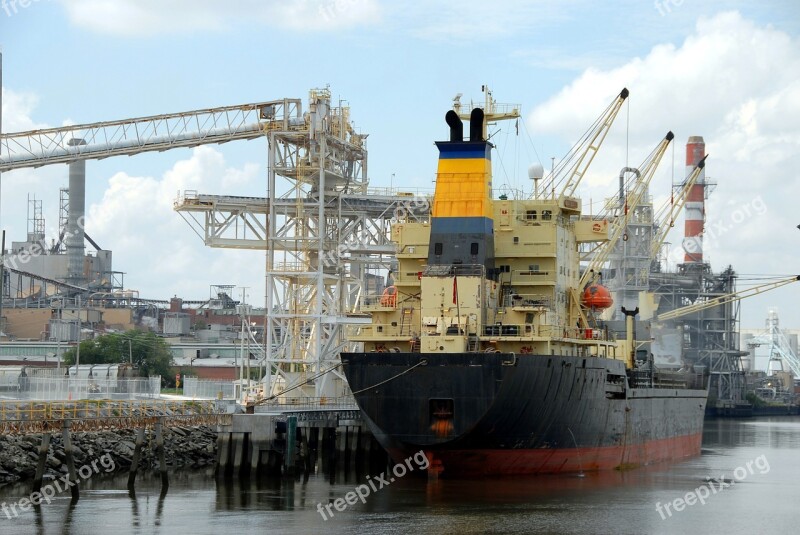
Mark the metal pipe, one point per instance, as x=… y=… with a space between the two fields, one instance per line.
x=77 y=208
x=456 y=126
x=3 y=251
x=476 y=125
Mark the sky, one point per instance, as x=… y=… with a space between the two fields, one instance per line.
x=724 y=70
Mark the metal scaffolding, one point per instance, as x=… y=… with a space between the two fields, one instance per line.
x=325 y=233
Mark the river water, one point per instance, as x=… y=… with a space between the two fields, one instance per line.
x=746 y=481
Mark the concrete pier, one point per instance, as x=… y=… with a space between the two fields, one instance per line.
x=296 y=441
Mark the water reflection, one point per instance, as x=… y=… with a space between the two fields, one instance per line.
x=605 y=502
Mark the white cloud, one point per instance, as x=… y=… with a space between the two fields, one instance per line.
x=735 y=83
x=159 y=252
x=17 y=110
x=152 y=17
x=476 y=20
x=42 y=184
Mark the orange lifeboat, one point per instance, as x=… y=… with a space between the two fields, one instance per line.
x=389 y=297
x=597 y=296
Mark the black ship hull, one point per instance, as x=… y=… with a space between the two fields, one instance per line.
x=494 y=413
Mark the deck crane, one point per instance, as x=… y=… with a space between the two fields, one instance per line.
x=725 y=299
x=644 y=173
x=665 y=217
x=573 y=166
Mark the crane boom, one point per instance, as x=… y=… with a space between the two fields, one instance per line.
x=725 y=299
x=670 y=210
x=644 y=175
x=588 y=149
x=36 y=148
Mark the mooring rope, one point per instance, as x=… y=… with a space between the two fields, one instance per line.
x=420 y=363
x=298 y=385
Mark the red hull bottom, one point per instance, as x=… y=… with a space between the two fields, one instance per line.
x=450 y=463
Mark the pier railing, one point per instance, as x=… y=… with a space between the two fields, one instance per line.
x=75 y=388
x=311 y=403
x=17 y=417
x=208 y=388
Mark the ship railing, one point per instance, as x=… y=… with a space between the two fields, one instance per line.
x=385 y=301
x=562 y=331
x=517 y=300
x=465 y=270
x=292 y=267
x=508 y=330
x=533 y=272
x=423 y=193
x=378 y=331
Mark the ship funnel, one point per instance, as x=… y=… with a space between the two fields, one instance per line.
x=476 y=125
x=456 y=126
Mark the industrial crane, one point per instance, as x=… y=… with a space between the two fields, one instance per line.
x=779 y=347
x=577 y=161
x=317 y=155
x=127 y=137
x=635 y=196
x=665 y=217
x=725 y=299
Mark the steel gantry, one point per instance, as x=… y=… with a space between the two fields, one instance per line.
x=321 y=227
x=146 y=134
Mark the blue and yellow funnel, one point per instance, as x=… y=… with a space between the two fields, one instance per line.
x=462 y=229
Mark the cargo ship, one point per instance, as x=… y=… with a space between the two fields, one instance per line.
x=483 y=350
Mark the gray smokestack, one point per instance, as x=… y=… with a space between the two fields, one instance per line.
x=77 y=207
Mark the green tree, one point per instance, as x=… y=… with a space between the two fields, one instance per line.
x=149 y=353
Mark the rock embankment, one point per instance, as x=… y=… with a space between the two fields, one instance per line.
x=189 y=447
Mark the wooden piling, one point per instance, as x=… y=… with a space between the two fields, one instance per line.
x=291 y=444
x=352 y=445
x=44 y=448
x=255 y=456
x=223 y=453
x=162 y=461
x=137 y=454
x=69 y=454
x=239 y=444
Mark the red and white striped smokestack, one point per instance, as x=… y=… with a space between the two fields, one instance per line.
x=694 y=210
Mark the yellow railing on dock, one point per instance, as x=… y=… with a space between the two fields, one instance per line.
x=23 y=417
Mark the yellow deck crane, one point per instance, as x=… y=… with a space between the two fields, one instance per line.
x=665 y=217
x=644 y=174
x=725 y=299
x=571 y=169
